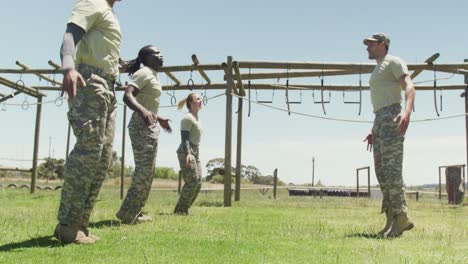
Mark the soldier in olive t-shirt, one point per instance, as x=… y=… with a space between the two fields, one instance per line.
x=387 y=80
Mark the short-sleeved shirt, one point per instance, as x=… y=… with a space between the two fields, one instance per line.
x=384 y=82
x=193 y=126
x=100 y=46
x=147 y=82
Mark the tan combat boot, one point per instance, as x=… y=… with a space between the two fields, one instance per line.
x=388 y=224
x=88 y=234
x=143 y=218
x=69 y=234
x=126 y=217
x=401 y=223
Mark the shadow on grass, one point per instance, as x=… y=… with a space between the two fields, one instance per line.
x=366 y=235
x=165 y=214
x=210 y=204
x=105 y=223
x=37 y=242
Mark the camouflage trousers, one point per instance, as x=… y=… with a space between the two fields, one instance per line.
x=192 y=177
x=145 y=146
x=388 y=158
x=92 y=116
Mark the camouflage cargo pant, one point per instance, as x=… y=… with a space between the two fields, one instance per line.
x=145 y=145
x=388 y=158
x=92 y=116
x=192 y=178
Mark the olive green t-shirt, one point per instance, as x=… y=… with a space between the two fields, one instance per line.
x=193 y=126
x=384 y=82
x=147 y=82
x=100 y=46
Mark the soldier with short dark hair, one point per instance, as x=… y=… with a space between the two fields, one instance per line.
x=93 y=29
x=387 y=80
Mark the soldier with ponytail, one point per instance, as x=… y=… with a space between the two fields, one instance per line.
x=188 y=153
x=142 y=96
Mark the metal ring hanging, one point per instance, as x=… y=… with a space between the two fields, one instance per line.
x=58 y=101
x=22 y=84
x=190 y=82
x=173 y=99
x=205 y=98
x=25 y=105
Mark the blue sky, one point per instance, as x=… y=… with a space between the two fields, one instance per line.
x=328 y=31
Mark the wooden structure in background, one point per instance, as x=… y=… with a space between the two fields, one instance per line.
x=236 y=73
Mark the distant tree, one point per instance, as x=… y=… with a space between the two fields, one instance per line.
x=319 y=184
x=51 y=168
x=252 y=173
x=115 y=160
x=216 y=167
x=166 y=173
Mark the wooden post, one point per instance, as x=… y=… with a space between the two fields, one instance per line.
x=67 y=150
x=466 y=111
x=440 y=186
x=313 y=171
x=122 y=162
x=239 y=151
x=36 y=143
x=357 y=183
x=368 y=181
x=180 y=182
x=417 y=196
x=228 y=140
x=275 y=182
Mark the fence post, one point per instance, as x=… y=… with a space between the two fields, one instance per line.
x=275 y=182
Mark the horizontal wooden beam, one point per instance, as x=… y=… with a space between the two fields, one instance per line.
x=297 y=74
x=31 y=71
x=205 y=67
x=222 y=86
x=25 y=89
x=24 y=67
x=14 y=169
x=343 y=66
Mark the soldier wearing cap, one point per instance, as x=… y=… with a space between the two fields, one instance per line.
x=89 y=83
x=387 y=80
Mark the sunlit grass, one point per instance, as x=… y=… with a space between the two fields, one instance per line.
x=256 y=230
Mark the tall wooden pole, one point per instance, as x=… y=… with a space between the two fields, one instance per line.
x=368 y=181
x=466 y=111
x=239 y=151
x=228 y=140
x=275 y=182
x=357 y=182
x=313 y=171
x=36 y=143
x=122 y=164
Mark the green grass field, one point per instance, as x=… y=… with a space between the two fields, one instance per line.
x=256 y=230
